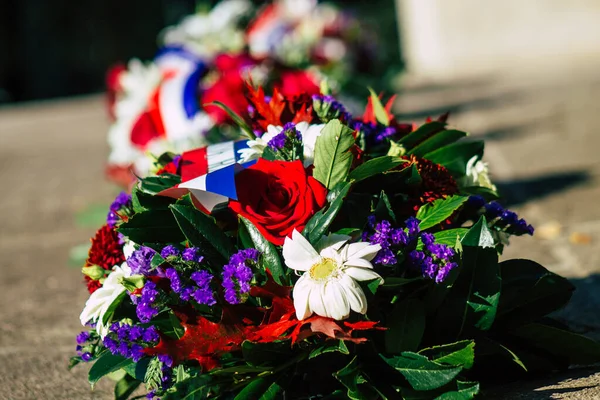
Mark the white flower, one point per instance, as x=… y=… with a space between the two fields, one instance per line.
x=477 y=174
x=101 y=300
x=328 y=286
x=309 y=139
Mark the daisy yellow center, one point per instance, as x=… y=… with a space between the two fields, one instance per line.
x=323 y=269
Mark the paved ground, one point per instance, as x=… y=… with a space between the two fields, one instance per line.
x=542 y=145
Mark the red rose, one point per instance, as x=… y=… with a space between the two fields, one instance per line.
x=277 y=197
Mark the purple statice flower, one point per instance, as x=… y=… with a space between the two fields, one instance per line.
x=130 y=340
x=137 y=352
x=203 y=294
x=151 y=394
x=151 y=335
x=169 y=251
x=412 y=224
x=172 y=275
x=435 y=261
x=192 y=254
x=475 y=202
x=111 y=344
x=86 y=357
x=144 y=309
x=123 y=200
x=83 y=337
x=140 y=261
x=507 y=220
x=135 y=333
x=385 y=133
x=165 y=359
x=388 y=238
x=237 y=275
x=328 y=108
x=288 y=134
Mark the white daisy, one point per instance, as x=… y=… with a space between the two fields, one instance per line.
x=477 y=174
x=328 y=285
x=101 y=300
x=309 y=134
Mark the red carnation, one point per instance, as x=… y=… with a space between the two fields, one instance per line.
x=106 y=252
x=277 y=197
x=296 y=83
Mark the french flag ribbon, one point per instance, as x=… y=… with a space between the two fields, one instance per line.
x=178 y=100
x=209 y=173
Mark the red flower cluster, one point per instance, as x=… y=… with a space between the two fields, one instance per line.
x=106 y=252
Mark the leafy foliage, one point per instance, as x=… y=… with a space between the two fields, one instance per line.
x=333 y=158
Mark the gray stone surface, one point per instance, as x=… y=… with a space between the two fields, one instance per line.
x=542 y=148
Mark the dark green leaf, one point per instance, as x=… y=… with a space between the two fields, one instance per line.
x=239 y=121
x=272 y=155
x=384 y=209
x=143 y=201
x=328 y=347
x=349 y=376
x=395 y=283
x=138 y=370
x=201 y=230
x=466 y=391
x=437 y=141
x=406 y=324
x=270 y=256
x=577 y=349
x=154 y=226
x=421 y=373
x=529 y=292
x=264 y=354
x=423 y=132
x=456 y=156
x=381 y=114
x=169 y=324
x=317 y=226
x=487 y=193
x=479 y=235
x=375 y=166
x=332 y=154
x=106 y=364
x=253 y=390
x=457 y=354
x=273 y=392
x=156 y=184
x=432 y=214
x=125 y=387
x=472 y=301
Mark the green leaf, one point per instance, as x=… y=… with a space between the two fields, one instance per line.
x=328 y=347
x=138 y=370
x=437 y=141
x=106 y=364
x=423 y=132
x=333 y=158
x=380 y=114
x=143 y=201
x=406 y=325
x=202 y=231
x=434 y=213
x=169 y=324
x=254 y=389
x=375 y=166
x=456 y=156
x=421 y=373
x=449 y=237
x=479 y=235
x=266 y=354
x=457 y=354
x=384 y=210
x=466 y=391
x=153 y=226
x=318 y=225
x=396 y=282
x=273 y=392
x=272 y=155
x=239 y=121
x=125 y=387
x=270 y=255
x=349 y=376
x=156 y=184
x=472 y=301
x=529 y=292
x=577 y=349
